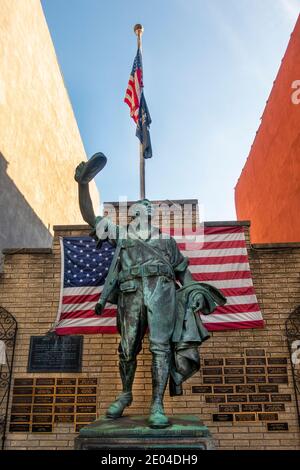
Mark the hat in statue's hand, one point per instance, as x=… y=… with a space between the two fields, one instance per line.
x=86 y=171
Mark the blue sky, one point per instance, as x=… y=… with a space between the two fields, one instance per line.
x=209 y=66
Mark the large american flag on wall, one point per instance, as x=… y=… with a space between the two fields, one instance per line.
x=218 y=257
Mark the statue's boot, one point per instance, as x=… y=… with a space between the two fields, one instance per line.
x=160 y=375
x=127 y=372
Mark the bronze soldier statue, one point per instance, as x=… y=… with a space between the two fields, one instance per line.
x=151 y=284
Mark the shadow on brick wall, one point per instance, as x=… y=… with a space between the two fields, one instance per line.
x=20 y=227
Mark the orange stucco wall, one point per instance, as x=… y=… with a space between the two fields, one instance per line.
x=268 y=190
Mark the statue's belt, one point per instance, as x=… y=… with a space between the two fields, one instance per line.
x=145 y=271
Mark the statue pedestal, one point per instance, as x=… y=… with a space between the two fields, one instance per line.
x=133 y=433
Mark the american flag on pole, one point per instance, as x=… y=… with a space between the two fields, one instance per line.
x=220 y=259
x=136 y=101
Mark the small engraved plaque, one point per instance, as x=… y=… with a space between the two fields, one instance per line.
x=23 y=382
x=22 y=399
x=43 y=399
x=85 y=418
x=87 y=390
x=86 y=409
x=44 y=390
x=256 y=379
x=245 y=389
x=277 y=370
x=64 y=409
x=268 y=416
x=215 y=399
x=86 y=399
x=213 y=362
x=63 y=399
x=42 y=409
x=23 y=390
x=64 y=419
x=212 y=371
x=201 y=389
x=65 y=390
x=255 y=370
x=235 y=380
x=235 y=361
x=244 y=417
x=233 y=370
x=274 y=407
x=19 y=427
x=21 y=409
x=212 y=380
x=236 y=398
x=42 y=428
x=268 y=388
x=256 y=361
x=223 y=389
x=278 y=379
x=277 y=361
x=278 y=426
x=66 y=382
x=222 y=417
x=229 y=408
x=281 y=397
x=42 y=419
x=88 y=381
x=20 y=418
x=252 y=407
x=45 y=381
x=260 y=397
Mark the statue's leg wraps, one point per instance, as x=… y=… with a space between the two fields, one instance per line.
x=127 y=371
x=160 y=376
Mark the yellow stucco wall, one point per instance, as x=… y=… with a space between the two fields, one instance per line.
x=40 y=144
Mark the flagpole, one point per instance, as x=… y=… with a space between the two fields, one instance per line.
x=138 y=29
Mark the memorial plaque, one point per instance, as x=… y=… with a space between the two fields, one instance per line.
x=213 y=362
x=277 y=361
x=64 y=419
x=44 y=390
x=42 y=428
x=285 y=397
x=215 y=399
x=255 y=370
x=212 y=380
x=23 y=382
x=223 y=389
x=268 y=388
x=88 y=381
x=201 y=389
x=65 y=390
x=45 y=381
x=256 y=361
x=252 y=407
x=234 y=370
x=45 y=419
x=229 y=408
x=66 y=382
x=235 y=361
x=43 y=399
x=19 y=427
x=42 y=409
x=244 y=417
x=64 y=409
x=64 y=399
x=87 y=390
x=221 y=418
x=268 y=416
x=20 y=418
x=278 y=426
x=86 y=409
x=86 y=399
x=259 y=398
x=52 y=353
x=245 y=389
x=274 y=407
x=212 y=371
x=276 y=379
x=85 y=418
x=256 y=379
x=255 y=352
x=277 y=370
x=22 y=399
x=236 y=398
x=23 y=390
x=21 y=409
x=235 y=380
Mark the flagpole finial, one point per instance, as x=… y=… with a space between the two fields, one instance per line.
x=139 y=29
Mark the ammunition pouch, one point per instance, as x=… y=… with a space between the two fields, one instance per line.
x=145 y=271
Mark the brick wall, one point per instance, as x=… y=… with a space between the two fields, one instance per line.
x=29 y=289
